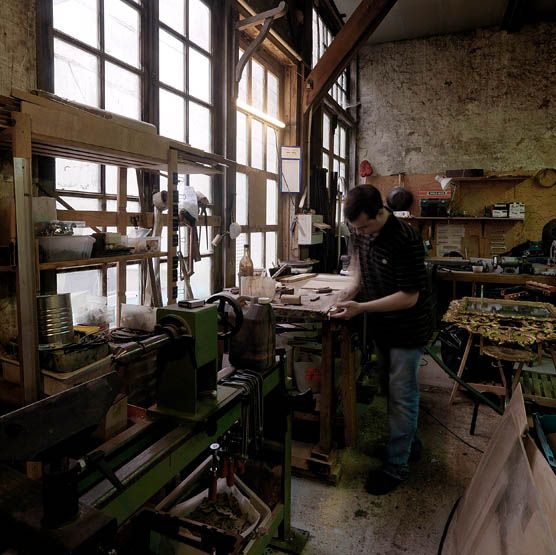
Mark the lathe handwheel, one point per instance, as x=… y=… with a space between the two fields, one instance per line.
x=227 y=328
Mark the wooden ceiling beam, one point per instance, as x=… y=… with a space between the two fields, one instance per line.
x=353 y=35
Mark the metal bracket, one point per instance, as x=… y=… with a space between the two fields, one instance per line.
x=264 y=18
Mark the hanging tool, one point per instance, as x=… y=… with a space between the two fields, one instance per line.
x=203 y=203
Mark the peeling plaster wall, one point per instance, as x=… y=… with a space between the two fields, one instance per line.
x=17 y=45
x=485 y=99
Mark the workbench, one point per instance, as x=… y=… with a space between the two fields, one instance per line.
x=475 y=278
x=318 y=311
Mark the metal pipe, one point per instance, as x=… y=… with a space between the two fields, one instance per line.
x=139 y=348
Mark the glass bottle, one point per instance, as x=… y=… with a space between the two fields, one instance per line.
x=245 y=264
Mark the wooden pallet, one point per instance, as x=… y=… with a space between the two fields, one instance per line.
x=540 y=388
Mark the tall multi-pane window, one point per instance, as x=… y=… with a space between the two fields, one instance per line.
x=97 y=54
x=98 y=48
x=322 y=37
x=257 y=153
x=185 y=72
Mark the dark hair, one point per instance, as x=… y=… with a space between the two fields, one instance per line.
x=362 y=199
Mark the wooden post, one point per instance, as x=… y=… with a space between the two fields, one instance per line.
x=326 y=387
x=26 y=271
x=172 y=222
x=122 y=228
x=348 y=388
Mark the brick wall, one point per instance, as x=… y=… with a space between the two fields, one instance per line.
x=17 y=45
x=484 y=99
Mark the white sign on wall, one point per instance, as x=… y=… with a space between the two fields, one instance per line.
x=290 y=169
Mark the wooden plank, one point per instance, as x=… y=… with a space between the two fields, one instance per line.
x=122 y=228
x=53 y=102
x=87 y=129
x=26 y=272
x=353 y=35
x=100 y=260
x=172 y=223
x=537 y=387
x=547 y=386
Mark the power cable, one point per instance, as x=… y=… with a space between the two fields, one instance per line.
x=427 y=411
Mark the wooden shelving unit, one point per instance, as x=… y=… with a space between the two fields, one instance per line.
x=99 y=260
x=487 y=178
x=463 y=219
x=38 y=125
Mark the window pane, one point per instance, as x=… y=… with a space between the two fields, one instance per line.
x=241 y=142
x=241 y=199
x=172 y=115
x=87 y=281
x=272 y=87
x=242 y=90
x=271 y=150
x=336 y=166
x=199 y=127
x=111 y=181
x=205 y=246
x=257 y=144
x=121 y=31
x=133 y=206
x=172 y=61
x=76 y=74
x=199 y=24
x=325 y=131
x=202 y=183
x=78 y=203
x=337 y=141
x=325 y=161
x=133 y=284
x=72 y=175
x=201 y=279
x=67 y=12
x=257 y=85
x=257 y=249
x=342 y=170
x=199 y=76
x=271 y=202
x=271 y=255
x=315 y=29
x=342 y=142
x=111 y=206
x=172 y=13
x=122 y=94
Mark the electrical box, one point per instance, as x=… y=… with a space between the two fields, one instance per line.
x=516 y=210
x=307 y=234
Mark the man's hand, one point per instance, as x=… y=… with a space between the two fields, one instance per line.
x=347 y=310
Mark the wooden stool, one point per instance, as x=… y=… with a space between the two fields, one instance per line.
x=509 y=354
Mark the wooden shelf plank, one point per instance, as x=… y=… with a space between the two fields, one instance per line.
x=464 y=218
x=99 y=260
x=492 y=178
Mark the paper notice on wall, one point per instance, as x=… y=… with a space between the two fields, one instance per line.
x=449 y=238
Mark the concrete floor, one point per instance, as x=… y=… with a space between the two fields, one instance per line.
x=344 y=519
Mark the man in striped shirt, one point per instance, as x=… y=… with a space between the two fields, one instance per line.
x=394 y=291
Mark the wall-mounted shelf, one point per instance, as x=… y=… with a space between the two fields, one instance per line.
x=99 y=260
x=463 y=218
x=491 y=178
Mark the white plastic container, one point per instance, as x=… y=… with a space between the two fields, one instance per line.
x=65 y=247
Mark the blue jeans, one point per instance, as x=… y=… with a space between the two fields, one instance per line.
x=402 y=367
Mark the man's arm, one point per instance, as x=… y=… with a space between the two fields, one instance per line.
x=400 y=300
x=352 y=289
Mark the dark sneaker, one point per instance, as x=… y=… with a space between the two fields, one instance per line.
x=416 y=450
x=415 y=454
x=380 y=483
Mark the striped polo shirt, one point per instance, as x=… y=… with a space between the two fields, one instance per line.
x=394 y=261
